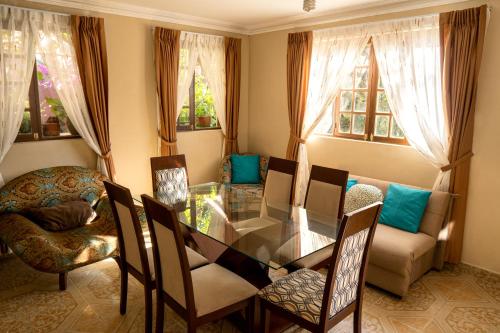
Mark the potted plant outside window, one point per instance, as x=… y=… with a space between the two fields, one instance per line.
x=203 y=117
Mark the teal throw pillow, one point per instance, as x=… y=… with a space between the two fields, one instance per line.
x=245 y=169
x=350 y=183
x=404 y=207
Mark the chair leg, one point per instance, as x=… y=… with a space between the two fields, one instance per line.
x=63 y=281
x=191 y=328
x=123 y=290
x=264 y=318
x=357 y=320
x=160 y=313
x=148 y=299
x=250 y=315
x=3 y=248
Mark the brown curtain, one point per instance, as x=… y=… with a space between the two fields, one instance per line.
x=90 y=47
x=462 y=37
x=167 y=44
x=298 y=66
x=233 y=79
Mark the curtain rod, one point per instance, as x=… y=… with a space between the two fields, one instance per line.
x=37 y=10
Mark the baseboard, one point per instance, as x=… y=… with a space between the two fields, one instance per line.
x=479 y=267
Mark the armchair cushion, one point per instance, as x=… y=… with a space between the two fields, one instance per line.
x=245 y=169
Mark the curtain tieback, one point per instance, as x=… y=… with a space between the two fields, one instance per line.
x=457 y=162
x=106 y=156
x=167 y=142
x=297 y=138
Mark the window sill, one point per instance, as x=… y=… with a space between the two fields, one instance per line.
x=331 y=137
x=47 y=139
x=183 y=130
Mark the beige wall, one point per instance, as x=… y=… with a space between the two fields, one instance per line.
x=269 y=130
x=132 y=112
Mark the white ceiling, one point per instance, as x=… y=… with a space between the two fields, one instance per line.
x=245 y=16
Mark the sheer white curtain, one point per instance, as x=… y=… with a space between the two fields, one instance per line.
x=408 y=57
x=334 y=55
x=187 y=62
x=56 y=50
x=213 y=64
x=17 y=58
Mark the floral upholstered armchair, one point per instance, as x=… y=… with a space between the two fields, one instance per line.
x=225 y=175
x=62 y=251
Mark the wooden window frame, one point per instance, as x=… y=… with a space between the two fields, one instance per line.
x=36 y=117
x=192 y=116
x=371 y=108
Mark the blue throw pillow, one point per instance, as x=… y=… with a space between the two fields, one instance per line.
x=245 y=169
x=350 y=183
x=404 y=207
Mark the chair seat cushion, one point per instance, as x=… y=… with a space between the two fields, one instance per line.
x=195 y=259
x=396 y=250
x=300 y=293
x=315 y=258
x=215 y=288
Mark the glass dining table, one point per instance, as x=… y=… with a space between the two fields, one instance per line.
x=244 y=230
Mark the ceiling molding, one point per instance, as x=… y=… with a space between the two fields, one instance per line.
x=148 y=13
x=298 y=21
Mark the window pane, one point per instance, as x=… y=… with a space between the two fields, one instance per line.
x=346 y=101
x=364 y=58
x=396 y=131
x=55 y=121
x=380 y=84
x=382 y=126
x=382 y=104
x=26 y=123
x=183 y=119
x=347 y=82
x=358 y=125
x=362 y=77
x=204 y=108
x=360 y=101
x=345 y=123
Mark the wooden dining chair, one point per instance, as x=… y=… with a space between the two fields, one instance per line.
x=315 y=302
x=326 y=191
x=280 y=181
x=135 y=258
x=325 y=195
x=201 y=295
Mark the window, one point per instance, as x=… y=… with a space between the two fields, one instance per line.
x=198 y=111
x=360 y=109
x=44 y=116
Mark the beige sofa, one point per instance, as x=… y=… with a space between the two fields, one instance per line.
x=397 y=257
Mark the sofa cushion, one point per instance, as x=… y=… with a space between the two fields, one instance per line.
x=65 y=216
x=396 y=250
x=436 y=210
x=351 y=183
x=225 y=169
x=404 y=207
x=245 y=169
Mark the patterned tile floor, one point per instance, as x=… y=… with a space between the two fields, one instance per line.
x=458 y=299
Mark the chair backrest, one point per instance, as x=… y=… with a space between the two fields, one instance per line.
x=170 y=178
x=128 y=227
x=51 y=186
x=326 y=191
x=172 y=272
x=280 y=181
x=346 y=275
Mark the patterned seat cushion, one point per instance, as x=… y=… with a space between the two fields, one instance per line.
x=361 y=195
x=301 y=292
x=50 y=187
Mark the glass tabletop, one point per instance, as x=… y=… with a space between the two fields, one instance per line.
x=273 y=234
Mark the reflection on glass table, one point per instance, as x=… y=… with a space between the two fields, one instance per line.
x=273 y=234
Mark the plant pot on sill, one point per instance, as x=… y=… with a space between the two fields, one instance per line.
x=52 y=127
x=203 y=121
x=72 y=130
